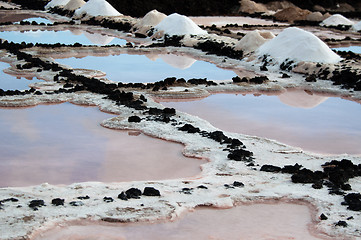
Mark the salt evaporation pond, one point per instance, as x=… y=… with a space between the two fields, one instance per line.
x=312 y=122
x=152 y=68
x=63 y=37
x=255 y=221
x=64 y=143
x=9 y=82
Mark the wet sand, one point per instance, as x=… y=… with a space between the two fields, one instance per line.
x=256 y=221
x=64 y=144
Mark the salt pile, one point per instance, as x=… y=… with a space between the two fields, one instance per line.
x=357 y=26
x=95 y=8
x=74 y=4
x=298 y=45
x=176 y=24
x=253 y=40
x=56 y=3
x=150 y=20
x=335 y=20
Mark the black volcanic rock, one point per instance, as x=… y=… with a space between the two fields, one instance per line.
x=150 y=191
x=133 y=193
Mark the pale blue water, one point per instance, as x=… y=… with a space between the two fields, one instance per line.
x=37 y=20
x=64 y=37
x=140 y=69
x=355 y=49
x=9 y=82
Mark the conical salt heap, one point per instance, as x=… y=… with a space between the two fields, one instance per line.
x=96 y=8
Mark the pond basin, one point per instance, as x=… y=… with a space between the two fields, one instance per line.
x=128 y=68
x=315 y=123
x=64 y=144
x=269 y=221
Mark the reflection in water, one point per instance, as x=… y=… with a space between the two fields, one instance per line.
x=63 y=144
x=125 y=68
x=331 y=127
x=8 y=82
x=245 y=222
x=64 y=37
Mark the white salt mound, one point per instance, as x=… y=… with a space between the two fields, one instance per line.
x=357 y=26
x=74 y=4
x=298 y=45
x=95 y=8
x=176 y=24
x=56 y=3
x=151 y=19
x=253 y=40
x=335 y=20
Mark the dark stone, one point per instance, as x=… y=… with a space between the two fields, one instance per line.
x=34 y=204
x=123 y=196
x=202 y=187
x=108 y=199
x=311 y=78
x=341 y=224
x=189 y=128
x=150 y=191
x=353 y=200
x=270 y=168
x=57 y=202
x=187 y=190
x=135 y=119
x=285 y=75
x=291 y=169
x=228 y=186
x=306 y=176
x=83 y=197
x=169 y=111
x=9 y=200
x=238 y=184
x=240 y=155
x=323 y=217
x=317 y=185
x=133 y=193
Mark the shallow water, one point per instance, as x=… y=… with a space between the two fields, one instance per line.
x=64 y=143
x=9 y=82
x=64 y=37
x=311 y=122
x=38 y=20
x=355 y=49
x=149 y=68
x=246 y=222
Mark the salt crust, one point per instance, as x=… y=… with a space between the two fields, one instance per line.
x=95 y=8
x=298 y=45
x=335 y=20
x=56 y=3
x=176 y=24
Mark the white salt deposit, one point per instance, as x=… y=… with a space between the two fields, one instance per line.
x=298 y=45
x=357 y=26
x=176 y=24
x=56 y=3
x=97 y=8
x=335 y=20
x=253 y=40
x=74 y=4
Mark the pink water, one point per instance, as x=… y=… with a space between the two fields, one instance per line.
x=64 y=143
x=257 y=221
x=327 y=125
